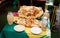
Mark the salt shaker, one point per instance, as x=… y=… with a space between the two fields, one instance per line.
x=44 y=19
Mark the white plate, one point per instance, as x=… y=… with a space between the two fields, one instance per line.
x=36 y=30
x=19 y=28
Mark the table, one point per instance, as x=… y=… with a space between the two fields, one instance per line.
x=27 y=30
x=9 y=32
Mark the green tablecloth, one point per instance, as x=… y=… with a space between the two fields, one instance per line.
x=9 y=32
x=0 y=35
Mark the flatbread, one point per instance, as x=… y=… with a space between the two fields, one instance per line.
x=30 y=11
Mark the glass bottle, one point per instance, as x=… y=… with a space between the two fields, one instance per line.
x=46 y=19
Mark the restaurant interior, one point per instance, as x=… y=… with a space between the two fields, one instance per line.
x=47 y=8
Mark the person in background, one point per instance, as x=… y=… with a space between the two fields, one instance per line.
x=57 y=23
